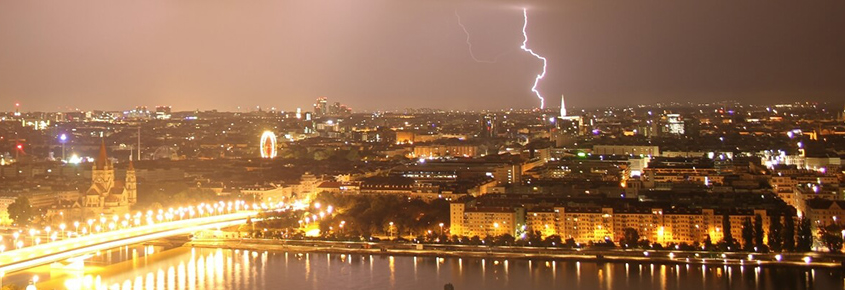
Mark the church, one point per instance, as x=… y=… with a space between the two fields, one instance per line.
x=106 y=196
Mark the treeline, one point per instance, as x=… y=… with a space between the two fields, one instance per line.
x=358 y=217
x=783 y=235
x=365 y=216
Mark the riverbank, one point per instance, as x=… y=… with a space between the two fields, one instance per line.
x=803 y=260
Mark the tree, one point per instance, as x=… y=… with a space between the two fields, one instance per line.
x=487 y=240
x=20 y=211
x=630 y=237
x=534 y=238
x=353 y=155
x=728 y=237
x=831 y=236
x=570 y=243
x=805 y=235
x=708 y=243
x=321 y=155
x=747 y=235
x=775 y=235
x=758 y=233
x=505 y=240
x=474 y=240
x=553 y=241
x=788 y=234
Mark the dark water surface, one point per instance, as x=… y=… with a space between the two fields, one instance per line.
x=187 y=268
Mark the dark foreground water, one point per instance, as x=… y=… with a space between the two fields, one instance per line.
x=186 y=268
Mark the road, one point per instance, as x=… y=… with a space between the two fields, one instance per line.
x=28 y=257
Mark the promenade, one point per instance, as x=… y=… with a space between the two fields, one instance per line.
x=807 y=260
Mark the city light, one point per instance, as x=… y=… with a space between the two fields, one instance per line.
x=689 y=163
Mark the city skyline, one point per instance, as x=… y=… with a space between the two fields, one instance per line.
x=455 y=144
x=375 y=55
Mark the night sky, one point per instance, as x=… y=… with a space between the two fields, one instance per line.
x=391 y=54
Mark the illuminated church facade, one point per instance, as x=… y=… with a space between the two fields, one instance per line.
x=108 y=196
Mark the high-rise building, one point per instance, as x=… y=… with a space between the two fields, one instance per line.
x=163 y=112
x=321 y=108
x=675 y=124
x=335 y=109
x=488 y=126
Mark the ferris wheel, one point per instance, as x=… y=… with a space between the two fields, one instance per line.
x=268 y=145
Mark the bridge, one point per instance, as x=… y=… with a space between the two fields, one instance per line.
x=43 y=254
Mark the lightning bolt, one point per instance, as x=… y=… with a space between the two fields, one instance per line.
x=525 y=48
x=469 y=44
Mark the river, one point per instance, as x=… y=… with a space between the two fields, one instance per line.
x=199 y=268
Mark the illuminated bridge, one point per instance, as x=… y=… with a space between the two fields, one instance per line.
x=43 y=254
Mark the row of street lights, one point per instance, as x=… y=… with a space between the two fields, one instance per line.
x=96 y=226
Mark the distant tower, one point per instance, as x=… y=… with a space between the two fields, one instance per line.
x=562 y=106
x=842 y=114
x=131 y=184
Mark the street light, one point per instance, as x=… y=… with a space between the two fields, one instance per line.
x=34 y=280
x=441 y=229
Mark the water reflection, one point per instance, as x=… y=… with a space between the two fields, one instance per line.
x=195 y=269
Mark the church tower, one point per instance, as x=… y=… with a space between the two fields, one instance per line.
x=102 y=175
x=562 y=107
x=131 y=184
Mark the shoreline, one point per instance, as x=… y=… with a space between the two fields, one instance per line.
x=597 y=256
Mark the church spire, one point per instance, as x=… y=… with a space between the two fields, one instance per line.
x=102 y=157
x=562 y=106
